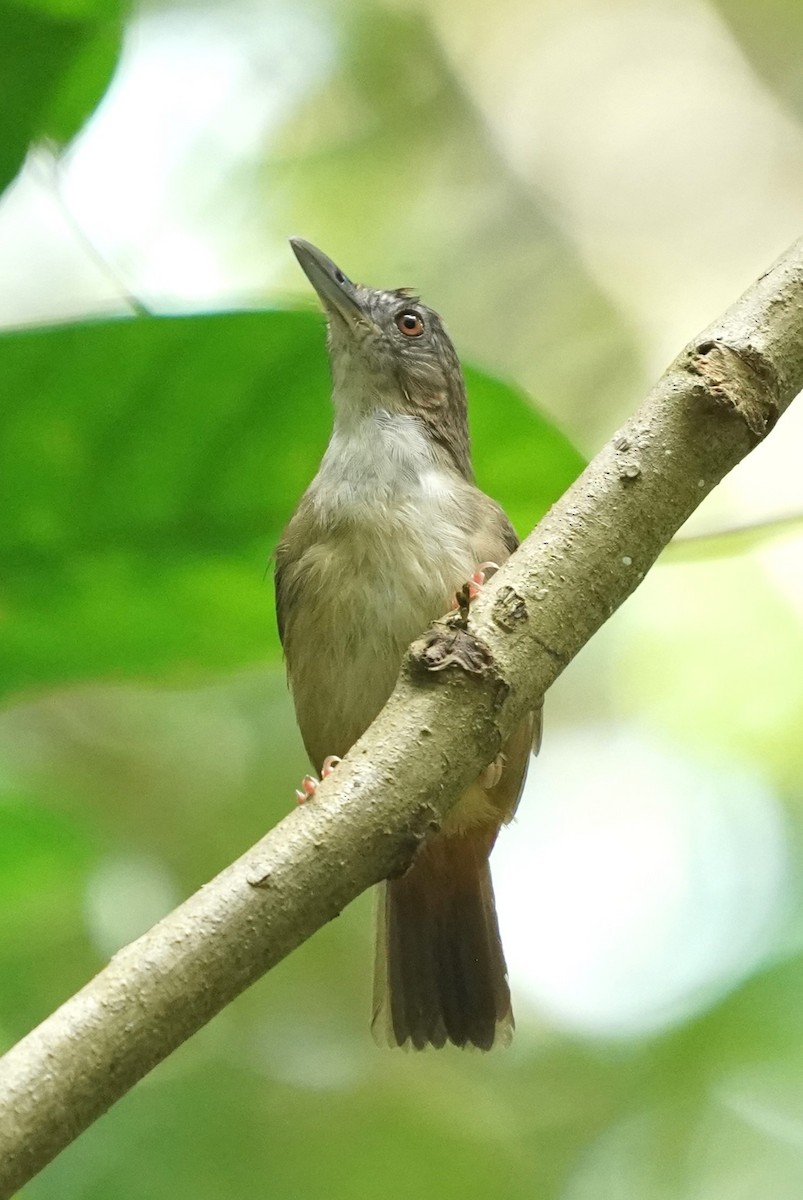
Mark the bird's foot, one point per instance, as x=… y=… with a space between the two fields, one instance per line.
x=309 y=783
x=472 y=587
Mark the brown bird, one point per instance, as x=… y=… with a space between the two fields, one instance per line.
x=390 y=529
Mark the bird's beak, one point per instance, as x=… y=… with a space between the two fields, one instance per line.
x=335 y=290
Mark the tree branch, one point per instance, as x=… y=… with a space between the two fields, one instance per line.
x=463 y=688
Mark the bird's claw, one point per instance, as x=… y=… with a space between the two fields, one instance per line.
x=471 y=589
x=309 y=783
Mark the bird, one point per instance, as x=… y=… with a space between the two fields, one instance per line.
x=390 y=529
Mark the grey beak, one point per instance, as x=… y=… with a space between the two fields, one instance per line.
x=335 y=290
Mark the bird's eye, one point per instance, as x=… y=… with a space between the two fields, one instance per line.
x=339 y=276
x=410 y=323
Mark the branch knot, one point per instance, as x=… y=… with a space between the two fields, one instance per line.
x=742 y=380
x=445 y=646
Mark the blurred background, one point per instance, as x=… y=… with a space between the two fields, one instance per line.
x=579 y=186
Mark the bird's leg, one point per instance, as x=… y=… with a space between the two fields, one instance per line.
x=478 y=578
x=309 y=783
x=471 y=589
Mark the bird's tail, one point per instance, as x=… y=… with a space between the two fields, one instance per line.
x=440 y=971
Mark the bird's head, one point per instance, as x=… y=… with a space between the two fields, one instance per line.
x=388 y=351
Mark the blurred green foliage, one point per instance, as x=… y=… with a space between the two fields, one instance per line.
x=482 y=243
x=146 y=737
x=147 y=468
x=56 y=60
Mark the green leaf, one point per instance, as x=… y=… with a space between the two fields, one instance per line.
x=56 y=61
x=147 y=468
x=38 y=848
x=44 y=858
x=521 y=458
x=96 y=10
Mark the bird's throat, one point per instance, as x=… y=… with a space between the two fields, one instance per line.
x=377 y=461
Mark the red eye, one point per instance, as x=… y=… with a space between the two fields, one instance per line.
x=409 y=323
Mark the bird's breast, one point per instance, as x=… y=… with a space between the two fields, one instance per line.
x=388 y=557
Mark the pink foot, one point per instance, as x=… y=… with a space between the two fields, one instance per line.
x=309 y=783
x=476 y=581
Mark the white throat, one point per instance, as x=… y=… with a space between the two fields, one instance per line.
x=375 y=460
